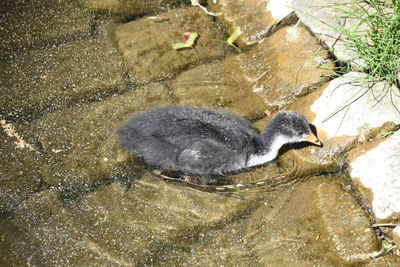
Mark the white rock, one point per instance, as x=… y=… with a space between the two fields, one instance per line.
x=379 y=170
x=361 y=106
x=325 y=20
x=396 y=236
x=279 y=8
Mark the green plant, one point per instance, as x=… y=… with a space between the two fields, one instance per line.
x=371 y=30
x=374 y=37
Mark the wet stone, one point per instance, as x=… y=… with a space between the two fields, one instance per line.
x=346 y=223
x=27 y=24
x=307 y=224
x=376 y=167
x=119 y=225
x=48 y=229
x=131 y=7
x=19 y=169
x=273 y=73
x=256 y=18
x=10 y=235
x=396 y=236
x=51 y=79
x=387 y=261
x=148 y=58
x=81 y=143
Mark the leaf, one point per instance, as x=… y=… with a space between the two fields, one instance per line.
x=189 y=42
x=178 y=46
x=233 y=38
x=192 y=38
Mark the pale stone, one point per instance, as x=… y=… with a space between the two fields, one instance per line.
x=279 y=9
x=396 y=236
x=379 y=170
x=257 y=19
x=323 y=20
x=348 y=106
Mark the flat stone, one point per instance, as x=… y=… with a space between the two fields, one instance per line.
x=51 y=79
x=348 y=106
x=256 y=18
x=387 y=261
x=80 y=142
x=363 y=120
x=131 y=7
x=116 y=225
x=50 y=230
x=324 y=20
x=148 y=58
x=346 y=224
x=311 y=222
x=271 y=74
x=27 y=24
x=19 y=168
x=396 y=236
x=378 y=169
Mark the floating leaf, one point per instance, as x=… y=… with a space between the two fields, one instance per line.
x=178 y=46
x=191 y=38
x=233 y=38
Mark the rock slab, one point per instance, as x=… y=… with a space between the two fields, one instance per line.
x=148 y=58
x=378 y=169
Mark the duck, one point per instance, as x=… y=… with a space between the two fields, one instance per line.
x=200 y=142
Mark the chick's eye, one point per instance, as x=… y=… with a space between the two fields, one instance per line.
x=300 y=133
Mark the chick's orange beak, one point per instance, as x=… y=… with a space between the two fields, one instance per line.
x=313 y=139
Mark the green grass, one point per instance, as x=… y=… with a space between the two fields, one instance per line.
x=375 y=37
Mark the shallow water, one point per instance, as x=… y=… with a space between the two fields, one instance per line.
x=70 y=196
x=156 y=222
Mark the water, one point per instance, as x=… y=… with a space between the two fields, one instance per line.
x=70 y=196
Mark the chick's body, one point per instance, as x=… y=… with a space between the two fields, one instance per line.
x=190 y=140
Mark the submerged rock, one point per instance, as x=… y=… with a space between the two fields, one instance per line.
x=116 y=225
x=80 y=142
x=131 y=7
x=20 y=167
x=52 y=79
x=347 y=225
x=146 y=43
x=256 y=18
x=271 y=74
x=315 y=221
x=29 y=24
